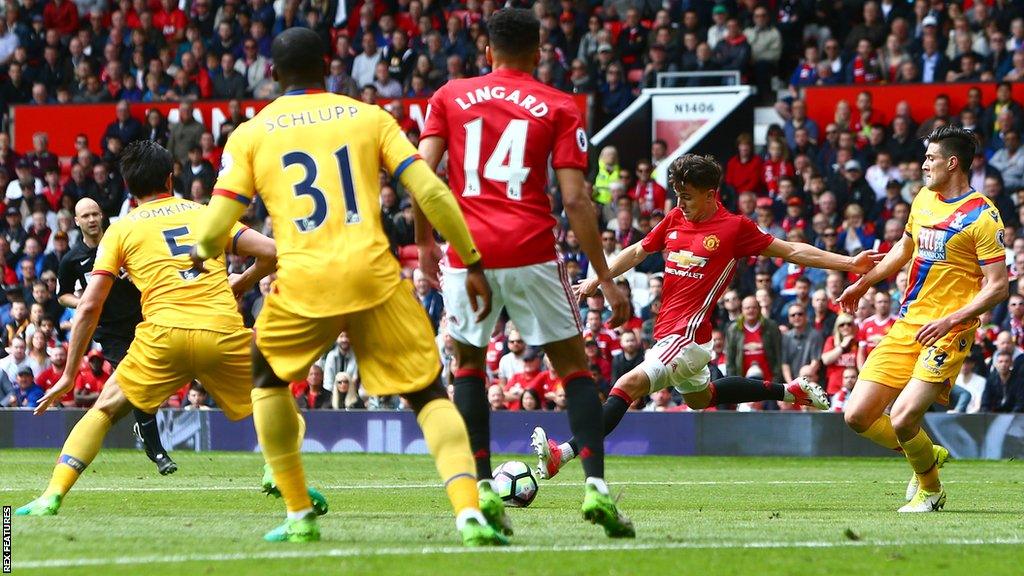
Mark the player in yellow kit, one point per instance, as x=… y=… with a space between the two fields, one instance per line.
x=314 y=158
x=955 y=237
x=192 y=328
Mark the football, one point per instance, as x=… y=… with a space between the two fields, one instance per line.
x=515 y=483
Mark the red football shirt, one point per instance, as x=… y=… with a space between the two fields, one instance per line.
x=501 y=129
x=753 y=352
x=872 y=331
x=48 y=377
x=700 y=259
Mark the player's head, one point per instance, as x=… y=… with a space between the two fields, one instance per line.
x=950 y=152
x=514 y=35
x=695 y=180
x=147 y=168
x=298 y=55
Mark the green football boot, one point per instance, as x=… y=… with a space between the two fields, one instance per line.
x=319 y=500
x=42 y=506
x=304 y=529
x=600 y=509
x=493 y=509
x=476 y=534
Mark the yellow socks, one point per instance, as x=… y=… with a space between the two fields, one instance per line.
x=919 y=453
x=446 y=437
x=881 y=433
x=279 y=429
x=79 y=450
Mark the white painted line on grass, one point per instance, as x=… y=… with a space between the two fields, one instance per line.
x=308 y=552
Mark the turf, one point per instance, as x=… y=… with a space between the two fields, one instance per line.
x=389 y=516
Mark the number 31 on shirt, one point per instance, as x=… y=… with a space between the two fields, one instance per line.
x=506 y=161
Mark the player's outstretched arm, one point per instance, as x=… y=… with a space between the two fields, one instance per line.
x=252 y=243
x=994 y=289
x=214 y=226
x=807 y=255
x=893 y=262
x=580 y=211
x=86 y=317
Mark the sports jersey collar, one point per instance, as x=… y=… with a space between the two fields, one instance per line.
x=158 y=198
x=511 y=72
x=954 y=200
x=302 y=91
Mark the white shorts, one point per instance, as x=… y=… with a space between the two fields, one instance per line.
x=538 y=299
x=674 y=361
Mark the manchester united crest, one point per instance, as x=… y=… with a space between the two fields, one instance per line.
x=711 y=242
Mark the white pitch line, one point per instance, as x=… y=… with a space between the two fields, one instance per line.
x=216 y=488
x=453 y=550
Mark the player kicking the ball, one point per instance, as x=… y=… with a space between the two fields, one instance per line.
x=955 y=237
x=500 y=131
x=702 y=242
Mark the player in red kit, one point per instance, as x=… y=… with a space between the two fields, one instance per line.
x=702 y=242
x=500 y=131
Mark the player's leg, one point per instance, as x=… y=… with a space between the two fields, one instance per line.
x=80 y=448
x=907 y=416
x=146 y=430
x=864 y=412
x=277 y=428
x=223 y=364
x=397 y=355
x=471 y=340
x=732 y=390
x=540 y=302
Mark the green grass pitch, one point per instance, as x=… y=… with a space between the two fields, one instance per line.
x=703 y=516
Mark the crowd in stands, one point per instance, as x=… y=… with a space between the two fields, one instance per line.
x=845 y=186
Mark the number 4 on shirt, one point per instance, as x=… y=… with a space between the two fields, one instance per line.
x=511 y=147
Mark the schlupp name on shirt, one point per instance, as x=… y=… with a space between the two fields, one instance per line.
x=309 y=117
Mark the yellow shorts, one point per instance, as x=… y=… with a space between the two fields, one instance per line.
x=393 y=342
x=899 y=357
x=161 y=360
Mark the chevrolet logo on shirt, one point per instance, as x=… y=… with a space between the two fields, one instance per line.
x=685 y=260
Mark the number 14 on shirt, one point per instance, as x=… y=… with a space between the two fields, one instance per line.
x=505 y=163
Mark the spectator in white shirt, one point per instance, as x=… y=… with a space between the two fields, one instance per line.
x=364 y=64
x=879 y=174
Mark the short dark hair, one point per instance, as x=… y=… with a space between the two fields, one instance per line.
x=956 y=141
x=701 y=172
x=145 y=166
x=298 y=52
x=514 y=32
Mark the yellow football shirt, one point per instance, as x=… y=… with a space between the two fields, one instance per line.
x=315 y=160
x=152 y=244
x=953 y=239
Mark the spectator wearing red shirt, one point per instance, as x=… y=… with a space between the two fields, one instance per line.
x=61 y=15
x=776 y=166
x=601 y=368
x=171 y=21
x=531 y=378
x=744 y=171
x=49 y=376
x=648 y=194
x=607 y=341
x=873 y=329
x=91 y=379
x=840 y=352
